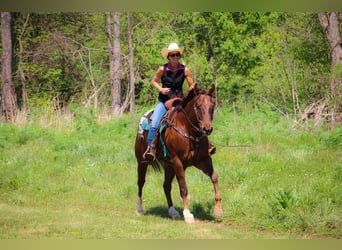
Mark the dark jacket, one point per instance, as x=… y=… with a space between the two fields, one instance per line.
x=174 y=81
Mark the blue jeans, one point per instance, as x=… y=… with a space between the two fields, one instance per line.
x=158 y=114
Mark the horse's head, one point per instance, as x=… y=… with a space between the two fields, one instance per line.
x=204 y=108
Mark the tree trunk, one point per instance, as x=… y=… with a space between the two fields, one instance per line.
x=88 y=68
x=330 y=24
x=110 y=49
x=116 y=88
x=114 y=60
x=131 y=64
x=8 y=95
x=20 y=67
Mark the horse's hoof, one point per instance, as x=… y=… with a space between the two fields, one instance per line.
x=189 y=220
x=188 y=217
x=139 y=212
x=218 y=212
x=174 y=213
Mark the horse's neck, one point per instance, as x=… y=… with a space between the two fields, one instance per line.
x=185 y=116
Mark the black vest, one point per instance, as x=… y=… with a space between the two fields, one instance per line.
x=174 y=81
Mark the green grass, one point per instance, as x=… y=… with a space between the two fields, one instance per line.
x=79 y=181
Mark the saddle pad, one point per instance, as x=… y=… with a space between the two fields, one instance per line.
x=145 y=122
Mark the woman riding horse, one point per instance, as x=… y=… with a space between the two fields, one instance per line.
x=183 y=143
x=172 y=76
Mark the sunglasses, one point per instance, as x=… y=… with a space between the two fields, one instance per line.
x=173 y=55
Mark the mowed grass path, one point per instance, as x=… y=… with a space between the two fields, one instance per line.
x=78 y=181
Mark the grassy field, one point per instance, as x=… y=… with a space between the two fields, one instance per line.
x=76 y=179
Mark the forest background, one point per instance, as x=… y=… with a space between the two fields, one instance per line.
x=105 y=61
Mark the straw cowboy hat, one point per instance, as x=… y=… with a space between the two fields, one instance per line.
x=173 y=47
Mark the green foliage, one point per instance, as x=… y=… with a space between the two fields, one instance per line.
x=283 y=199
x=251 y=56
x=333 y=138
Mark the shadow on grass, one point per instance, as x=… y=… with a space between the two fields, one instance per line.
x=200 y=213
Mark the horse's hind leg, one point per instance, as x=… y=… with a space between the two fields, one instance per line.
x=142 y=168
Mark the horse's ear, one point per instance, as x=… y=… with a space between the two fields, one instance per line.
x=212 y=90
x=196 y=89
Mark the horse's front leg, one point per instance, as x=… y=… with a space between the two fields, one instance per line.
x=218 y=204
x=206 y=166
x=188 y=216
x=169 y=174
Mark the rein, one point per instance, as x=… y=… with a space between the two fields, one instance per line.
x=195 y=139
x=185 y=134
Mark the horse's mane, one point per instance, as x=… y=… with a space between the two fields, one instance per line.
x=191 y=94
x=188 y=97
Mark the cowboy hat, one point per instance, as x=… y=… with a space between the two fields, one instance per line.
x=173 y=47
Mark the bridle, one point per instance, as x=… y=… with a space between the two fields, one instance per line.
x=195 y=128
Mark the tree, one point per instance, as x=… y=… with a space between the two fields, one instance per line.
x=131 y=64
x=46 y=49
x=114 y=60
x=330 y=23
x=297 y=59
x=20 y=64
x=8 y=94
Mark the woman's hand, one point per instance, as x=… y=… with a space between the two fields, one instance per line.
x=165 y=91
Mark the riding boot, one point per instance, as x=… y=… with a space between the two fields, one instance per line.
x=211 y=149
x=150 y=153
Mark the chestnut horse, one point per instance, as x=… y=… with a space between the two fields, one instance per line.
x=183 y=142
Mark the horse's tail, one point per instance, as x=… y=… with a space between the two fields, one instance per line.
x=156 y=166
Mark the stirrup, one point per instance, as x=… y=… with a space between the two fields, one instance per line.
x=149 y=155
x=212 y=150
